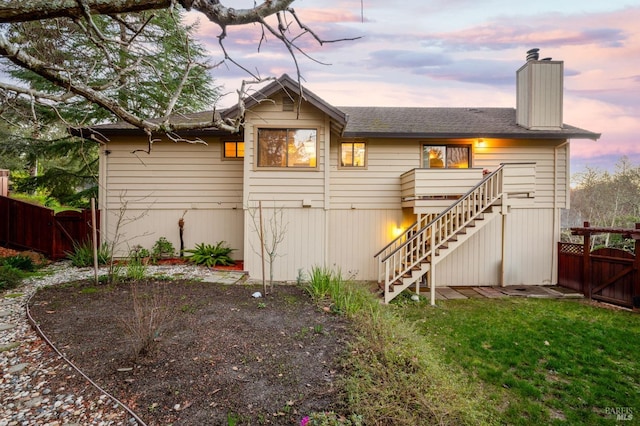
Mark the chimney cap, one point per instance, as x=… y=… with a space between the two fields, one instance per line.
x=532 y=54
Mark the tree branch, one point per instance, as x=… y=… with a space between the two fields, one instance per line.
x=33 y=10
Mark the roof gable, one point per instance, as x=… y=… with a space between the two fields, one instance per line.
x=288 y=85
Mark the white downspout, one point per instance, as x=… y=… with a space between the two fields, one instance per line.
x=327 y=187
x=556 y=233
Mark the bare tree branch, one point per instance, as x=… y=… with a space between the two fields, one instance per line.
x=83 y=12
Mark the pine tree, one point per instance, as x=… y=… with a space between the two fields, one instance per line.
x=141 y=58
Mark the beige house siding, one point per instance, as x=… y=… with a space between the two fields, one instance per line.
x=300 y=193
x=551 y=166
x=288 y=187
x=539 y=95
x=356 y=235
x=158 y=188
x=378 y=186
x=334 y=216
x=530 y=253
x=477 y=262
x=302 y=246
x=531 y=247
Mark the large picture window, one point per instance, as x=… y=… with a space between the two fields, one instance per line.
x=445 y=156
x=287 y=147
x=352 y=154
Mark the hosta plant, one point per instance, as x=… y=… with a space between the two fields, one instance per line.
x=210 y=255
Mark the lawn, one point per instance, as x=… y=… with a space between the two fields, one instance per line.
x=540 y=361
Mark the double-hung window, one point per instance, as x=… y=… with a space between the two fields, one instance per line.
x=353 y=154
x=287 y=147
x=446 y=156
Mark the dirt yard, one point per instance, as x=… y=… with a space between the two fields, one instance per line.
x=222 y=358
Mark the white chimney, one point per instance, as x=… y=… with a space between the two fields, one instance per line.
x=539 y=93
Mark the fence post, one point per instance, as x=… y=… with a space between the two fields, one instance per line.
x=4 y=183
x=635 y=297
x=586 y=261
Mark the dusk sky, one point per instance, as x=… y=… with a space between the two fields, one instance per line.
x=461 y=53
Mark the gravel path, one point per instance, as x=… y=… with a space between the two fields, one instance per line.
x=37 y=387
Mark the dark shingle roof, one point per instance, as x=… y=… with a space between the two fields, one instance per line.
x=379 y=122
x=407 y=122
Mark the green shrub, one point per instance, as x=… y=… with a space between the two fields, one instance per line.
x=136 y=270
x=10 y=277
x=138 y=253
x=82 y=255
x=24 y=263
x=328 y=285
x=162 y=249
x=209 y=255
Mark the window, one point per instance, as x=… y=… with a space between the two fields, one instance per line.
x=234 y=149
x=445 y=156
x=352 y=154
x=287 y=147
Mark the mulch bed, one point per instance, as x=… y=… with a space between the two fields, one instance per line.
x=224 y=357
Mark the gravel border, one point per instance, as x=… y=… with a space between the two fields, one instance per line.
x=37 y=386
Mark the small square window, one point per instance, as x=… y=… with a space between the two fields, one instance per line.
x=234 y=149
x=353 y=154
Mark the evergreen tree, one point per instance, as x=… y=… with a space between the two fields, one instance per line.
x=141 y=58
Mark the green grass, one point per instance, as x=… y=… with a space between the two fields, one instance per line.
x=393 y=376
x=541 y=361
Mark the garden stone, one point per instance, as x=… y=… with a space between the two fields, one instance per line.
x=17 y=368
x=5 y=326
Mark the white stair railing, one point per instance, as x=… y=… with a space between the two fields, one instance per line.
x=407 y=258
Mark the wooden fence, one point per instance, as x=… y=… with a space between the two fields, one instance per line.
x=27 y=226
x=606 y=274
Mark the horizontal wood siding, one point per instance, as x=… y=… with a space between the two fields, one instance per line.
x=543 y=154
x=173 y=176
x=438 y=182
x=377 y=186
x=356 y=235
x=145 y=227
x=520 y=179
x=302 y=246
x=287 y=187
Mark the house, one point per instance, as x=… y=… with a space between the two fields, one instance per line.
x=451 y=196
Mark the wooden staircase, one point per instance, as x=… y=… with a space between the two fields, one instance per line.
x=415 y=253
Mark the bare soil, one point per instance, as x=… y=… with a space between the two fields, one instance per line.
x=222 y=358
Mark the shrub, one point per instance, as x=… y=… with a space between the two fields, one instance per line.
x=136 y=270
x=24 y=263
x=10 y=277
x=82 y=255
x=209 y=255
x=162 y=249
x=151 y=315
x=138 y=252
